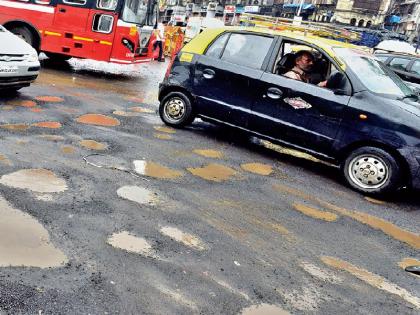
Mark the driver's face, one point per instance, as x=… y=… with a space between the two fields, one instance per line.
x=305 y=63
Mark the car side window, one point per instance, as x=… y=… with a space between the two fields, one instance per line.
x=416 y=67
x=382 y=58
x=399 y=63
x=216 y=47
x=247 y=50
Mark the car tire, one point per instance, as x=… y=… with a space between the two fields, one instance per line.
x=372 y=170
x=57 y=57
x=176 y=110
x=10 y=91
x=25 y=34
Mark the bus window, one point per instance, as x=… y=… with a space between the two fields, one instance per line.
x=75 y=2
x=102 y=23
x=135 y=11
x=46 y=2
x=107 y=4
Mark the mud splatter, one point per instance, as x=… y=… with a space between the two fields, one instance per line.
x=22 y=103
x=16 y=127
x=386 y=227
x=164 y=129
x=49 y=99
x=93 y=145
x=130 y=243
x=182 y=237
x=4 y=160
x=48 y=124
x=24 y=241
x=155 y=170
x=68 y=149
x=209 y=153
x=315 y=213
x=125 y=114
x=37 y=180
x=372 y=279
x=36 y=110
x=138 y=109
x=137 y=194
x=258 y=168
x=375 y=201
x=98 y=120
x=213 y=172
x=162 y=136
x=264 y=309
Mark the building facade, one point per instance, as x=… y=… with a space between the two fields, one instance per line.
x=362 y=13
x=409 y=12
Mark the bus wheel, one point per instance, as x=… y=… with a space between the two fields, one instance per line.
x=57 y=57
x=25 y=34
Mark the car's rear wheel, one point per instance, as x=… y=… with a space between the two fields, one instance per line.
x=24 y=33
x=176 y=110
x=57 y=57
x=372 y=170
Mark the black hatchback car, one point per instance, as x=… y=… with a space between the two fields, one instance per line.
x=406 y=66
x=364 y=119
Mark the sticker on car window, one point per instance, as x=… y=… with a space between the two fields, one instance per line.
x=186 y=57
x=297 y=103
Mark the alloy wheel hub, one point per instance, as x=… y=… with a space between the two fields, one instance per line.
x=368 y=171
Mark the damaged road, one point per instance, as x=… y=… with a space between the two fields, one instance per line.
x=104 y=210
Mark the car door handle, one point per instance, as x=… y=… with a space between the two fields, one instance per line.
x=274 y=93
x=208 y=73
x=62 y=10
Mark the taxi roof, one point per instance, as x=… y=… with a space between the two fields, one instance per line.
x=200 y=43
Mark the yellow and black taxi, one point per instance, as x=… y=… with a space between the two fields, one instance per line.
x=350 y=110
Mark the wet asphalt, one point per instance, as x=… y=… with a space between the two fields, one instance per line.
x=106 y=211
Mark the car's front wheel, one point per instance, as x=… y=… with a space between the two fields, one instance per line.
x=372 y=170
x=176 y=110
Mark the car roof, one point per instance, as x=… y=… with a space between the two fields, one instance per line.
x=200 y=43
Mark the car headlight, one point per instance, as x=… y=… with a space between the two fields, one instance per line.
x=33 y=57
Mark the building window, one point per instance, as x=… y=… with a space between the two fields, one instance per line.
x=361 y=23
x=371 y=5
x=369 y=24
x=353 y=22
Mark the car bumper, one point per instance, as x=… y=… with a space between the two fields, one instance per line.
x=412 y=156
x=18 y=74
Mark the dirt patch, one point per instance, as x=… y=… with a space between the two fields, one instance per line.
x=155 y=170
x=258 y=168
x=213 y=172
x=98 y=120
x=93 y=145
x=209 y=153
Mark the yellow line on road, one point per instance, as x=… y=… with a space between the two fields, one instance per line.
x=315 y=213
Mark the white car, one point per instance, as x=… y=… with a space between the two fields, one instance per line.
x=19 y=63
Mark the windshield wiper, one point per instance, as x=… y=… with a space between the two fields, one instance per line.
x=415 y=96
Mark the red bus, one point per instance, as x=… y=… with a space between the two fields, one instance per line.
x=117 y=31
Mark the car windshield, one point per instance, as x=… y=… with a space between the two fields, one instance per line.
x=373 y=74
x=142 y=12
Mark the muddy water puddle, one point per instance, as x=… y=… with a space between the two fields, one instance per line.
x=315 y=213
x=213 y=172
x=37 y=180
x=162 y=136
x=138 y=109
x=164 y=129
x=93 y=145
x=49 y=99
x=156 y=170
x=182 y=237
x=53 y=138
x=258 y=168
x=16 y=127
x=24 y=241
x=130 y=243
x=48 y=124
x=372 y=279
x=125 y=114
x=137 y=194
x=68 y=149
x=21 y=103
x=4 y=160
x=98 y=120
x=214 y=154
x=264 y=309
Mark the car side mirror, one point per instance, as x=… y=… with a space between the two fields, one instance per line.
x=338 y=82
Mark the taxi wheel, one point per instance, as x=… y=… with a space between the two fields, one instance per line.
x=372 y=170
x=176 y=110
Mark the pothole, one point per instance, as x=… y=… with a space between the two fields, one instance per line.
x=213 y=172
x=24 y=241
x=164 y=129
x=37 y=180
x=182 y=237
x=156 y=170
x=130 y=243
x=49 y=99
x=209 y=153
x=258 y=168
x=98 y=120
x=264 y=309
x=137 y=194
x=93 y=145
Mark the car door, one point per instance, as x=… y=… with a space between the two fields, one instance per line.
x=226 y=75
x=299 y=113
x=415 y=71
